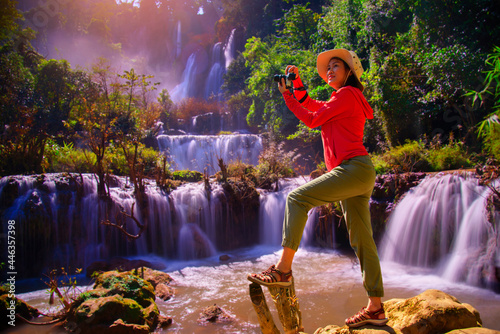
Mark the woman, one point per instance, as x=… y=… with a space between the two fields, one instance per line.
x=350 y=178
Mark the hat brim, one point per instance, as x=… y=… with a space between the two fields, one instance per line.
x=345 y=55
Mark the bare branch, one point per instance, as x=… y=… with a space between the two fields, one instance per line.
x=122 y=227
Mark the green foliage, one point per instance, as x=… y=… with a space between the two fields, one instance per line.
x=268 y=110
x=340 y=25
x=187 y=176
x=489 y=128
x=298 y=24
x=416 y=156
x=8 y=17
x=66 y=158
x=451 y=156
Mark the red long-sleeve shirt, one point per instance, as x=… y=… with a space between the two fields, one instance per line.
x=342 y=121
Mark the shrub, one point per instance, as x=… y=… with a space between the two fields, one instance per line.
x=274 y=163
x=187 y=176
x=240 y=170
x=451 y=156
x=416 y=156
x=66 y=158
x=409 y=157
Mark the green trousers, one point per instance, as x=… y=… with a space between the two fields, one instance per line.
x=352 y=184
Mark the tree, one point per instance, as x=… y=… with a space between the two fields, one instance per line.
x=130 y=132
x=340 y=25
x=94 y=116
x=8 y=17
x=489 y=98
x=298 y=24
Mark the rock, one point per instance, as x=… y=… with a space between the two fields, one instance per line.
x=106 y=310
x=120 y=302
x=97 y=266
x=224 y=258
x=214 y=314
x=474 y=330
x=430 y=312
x=332 y=329
x=21 y=308
x=121 y=264
x=120 y=327
x=163 y=291
x=164 y=321
x=155 y=277
x=126 y=285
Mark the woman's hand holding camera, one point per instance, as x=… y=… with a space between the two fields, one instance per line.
x=292 y=69
x=292 y=72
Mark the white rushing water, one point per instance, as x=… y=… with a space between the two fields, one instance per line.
x=217 y=70
x=441 y=225
x=199 y=152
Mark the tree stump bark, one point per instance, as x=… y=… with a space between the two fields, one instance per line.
x=259 y=304
x=286 y=304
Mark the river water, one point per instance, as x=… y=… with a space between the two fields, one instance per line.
x=328 y=286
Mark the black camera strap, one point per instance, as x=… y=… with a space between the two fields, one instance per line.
x=301 y=89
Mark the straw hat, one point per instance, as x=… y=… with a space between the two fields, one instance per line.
x=348 y=56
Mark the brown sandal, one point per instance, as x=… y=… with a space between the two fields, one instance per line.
x=272 y=277
x=365 y=317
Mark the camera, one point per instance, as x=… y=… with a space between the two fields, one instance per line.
x=288 y=79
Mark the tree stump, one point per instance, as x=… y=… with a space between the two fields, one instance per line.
x=259 y=304
x=286 y=304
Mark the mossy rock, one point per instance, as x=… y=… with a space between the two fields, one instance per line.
x=154 y=277
x=22 y=308
x=127 y=285
x=120 y=302
x=106 y=310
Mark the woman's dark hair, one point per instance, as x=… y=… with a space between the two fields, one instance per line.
x=351 y=81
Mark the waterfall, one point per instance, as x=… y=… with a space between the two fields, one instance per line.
x=178 y=40
x=272 y=212
x=197 y=226
x=441 y=224
x=57 y=219
x=185 y=88
x=199 y=152
x=217 y=70
x=229 y=49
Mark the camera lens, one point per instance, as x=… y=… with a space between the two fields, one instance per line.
x=278 y=77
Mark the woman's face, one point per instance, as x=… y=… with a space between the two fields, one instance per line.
x=336 y=73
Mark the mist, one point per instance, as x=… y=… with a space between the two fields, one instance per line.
x=153 y=38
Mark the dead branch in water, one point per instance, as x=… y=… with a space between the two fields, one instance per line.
x=123 y=219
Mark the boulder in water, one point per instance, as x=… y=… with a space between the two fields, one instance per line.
x=119 y=303
x=214 y=314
